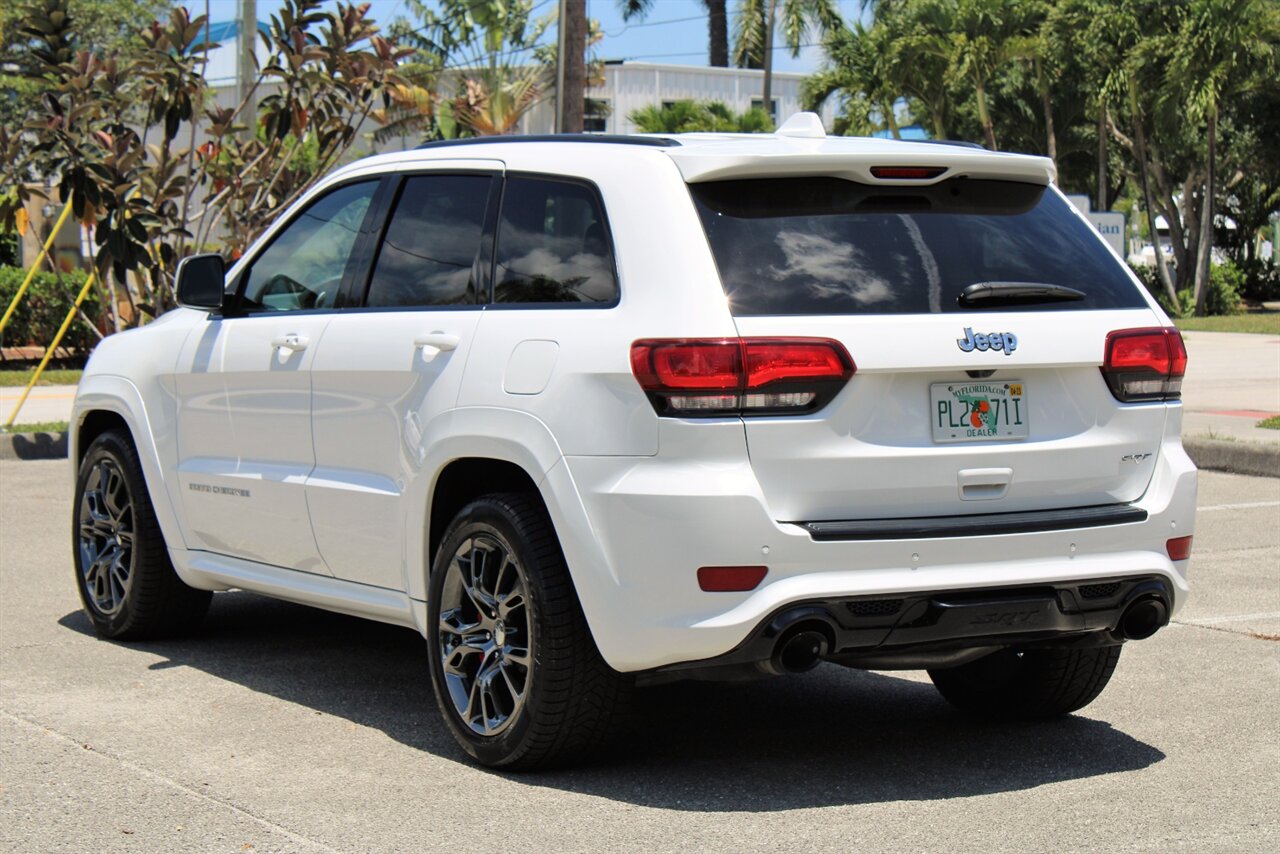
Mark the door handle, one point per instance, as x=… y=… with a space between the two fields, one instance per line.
x=293 y=342
x=440 y=341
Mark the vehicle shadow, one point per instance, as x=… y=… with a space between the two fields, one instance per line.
x=833 y=736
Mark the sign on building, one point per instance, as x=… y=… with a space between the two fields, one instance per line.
x=1110 y=225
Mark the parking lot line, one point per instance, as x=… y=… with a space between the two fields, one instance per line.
x=1242 y=506
x=1232 y=618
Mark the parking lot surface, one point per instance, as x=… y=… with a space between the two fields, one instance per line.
x=281 y=728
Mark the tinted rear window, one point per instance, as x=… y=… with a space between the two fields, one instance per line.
x=829 y=246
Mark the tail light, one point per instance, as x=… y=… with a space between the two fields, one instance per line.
x=907 y=173
x=1145 y=364
x=715 y=377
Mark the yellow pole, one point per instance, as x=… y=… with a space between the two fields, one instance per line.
x=31 y=274
x=48 y=354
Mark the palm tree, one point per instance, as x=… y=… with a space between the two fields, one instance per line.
x=695 y=116
x=1221 y=48
x=757 y=19
x=976 y=38
x=859 y=62
x=717 y=26
x=488 y=49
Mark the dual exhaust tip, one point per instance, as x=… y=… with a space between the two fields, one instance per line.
x=805 y=643
x=799 y=649
x=1143 y=618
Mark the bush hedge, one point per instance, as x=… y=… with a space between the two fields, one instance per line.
x=1225 y=284
x=43 y=308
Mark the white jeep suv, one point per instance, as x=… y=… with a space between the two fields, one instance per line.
x=587 y=411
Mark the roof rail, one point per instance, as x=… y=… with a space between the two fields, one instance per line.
x=605 y=138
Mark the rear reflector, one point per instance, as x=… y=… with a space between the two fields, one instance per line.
x=1179 y=548
x=707 y=377
x=1145 y=364
x=730 y=579
x=910 y=173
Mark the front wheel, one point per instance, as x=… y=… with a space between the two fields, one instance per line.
x=516 y=673
x=126 y=582
x=1028 y=684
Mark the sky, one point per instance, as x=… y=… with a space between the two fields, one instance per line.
x=674 y=32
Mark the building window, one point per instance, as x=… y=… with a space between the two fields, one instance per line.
x=758 y=104
x=595 y=115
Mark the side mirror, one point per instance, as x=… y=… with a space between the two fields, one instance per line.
x=200 y=281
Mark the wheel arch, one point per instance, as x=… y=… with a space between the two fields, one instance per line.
x=520 y=447
x=107 y=402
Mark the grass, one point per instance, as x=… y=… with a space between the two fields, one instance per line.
x=1266 y=323
x=52 y=376
x=40 y=427
x=1272 y=423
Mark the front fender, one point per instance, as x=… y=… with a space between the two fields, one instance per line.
x=118 y=395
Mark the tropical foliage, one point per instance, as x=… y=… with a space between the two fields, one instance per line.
x=152 y=164
x=1170 y=108
x=699 y=116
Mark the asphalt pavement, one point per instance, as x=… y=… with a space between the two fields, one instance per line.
x=282 y=728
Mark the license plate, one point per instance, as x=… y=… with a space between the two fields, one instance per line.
x=976 y=412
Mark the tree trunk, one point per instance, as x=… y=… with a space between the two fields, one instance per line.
x=939 y=125
x=891 y=120
x=718 y=33
x=984 y=116
x=1102 y=158
x=575 y=66
x=1046 y=103
x=1171 y=213
x=1148 y=200
x=1205 y=249
x=767 y=98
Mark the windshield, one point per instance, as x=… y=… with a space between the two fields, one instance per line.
x=829 y=246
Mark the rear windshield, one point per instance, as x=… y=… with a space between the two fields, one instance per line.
x=830 y=246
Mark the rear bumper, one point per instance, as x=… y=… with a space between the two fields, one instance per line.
x=942 y=628
x=635 y=530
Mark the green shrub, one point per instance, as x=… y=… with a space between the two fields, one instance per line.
x=43 y=308
x=1261 y=281
x=1225 y=284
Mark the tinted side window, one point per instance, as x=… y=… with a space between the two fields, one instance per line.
x=553 y=245
x=429 y=251
x=304 y=265
x=829 y=246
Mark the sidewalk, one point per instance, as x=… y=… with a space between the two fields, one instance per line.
x=45 y=403
x=1232 y=383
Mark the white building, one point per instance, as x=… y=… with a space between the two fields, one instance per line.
x=628 y=86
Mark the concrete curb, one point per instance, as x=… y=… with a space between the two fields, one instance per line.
x=1212 y=454
x=33 y=446
x=1238 y=457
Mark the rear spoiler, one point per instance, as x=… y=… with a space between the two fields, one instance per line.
x=851 y=159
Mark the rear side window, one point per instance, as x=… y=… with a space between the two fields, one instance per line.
x=428 y=255
x=553 y=245
x=829 y=246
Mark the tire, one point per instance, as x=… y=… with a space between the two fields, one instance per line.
x=517 y=676
x=127 y=585
x=1030 y=684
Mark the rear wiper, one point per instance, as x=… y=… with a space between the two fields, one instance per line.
x=1019 y=292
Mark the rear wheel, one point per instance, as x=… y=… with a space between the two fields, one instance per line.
x=126 y=582
x=1028 y=684
x=516 y=673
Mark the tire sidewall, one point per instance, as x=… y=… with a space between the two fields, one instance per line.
x=110 y=446
x=486 y=516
